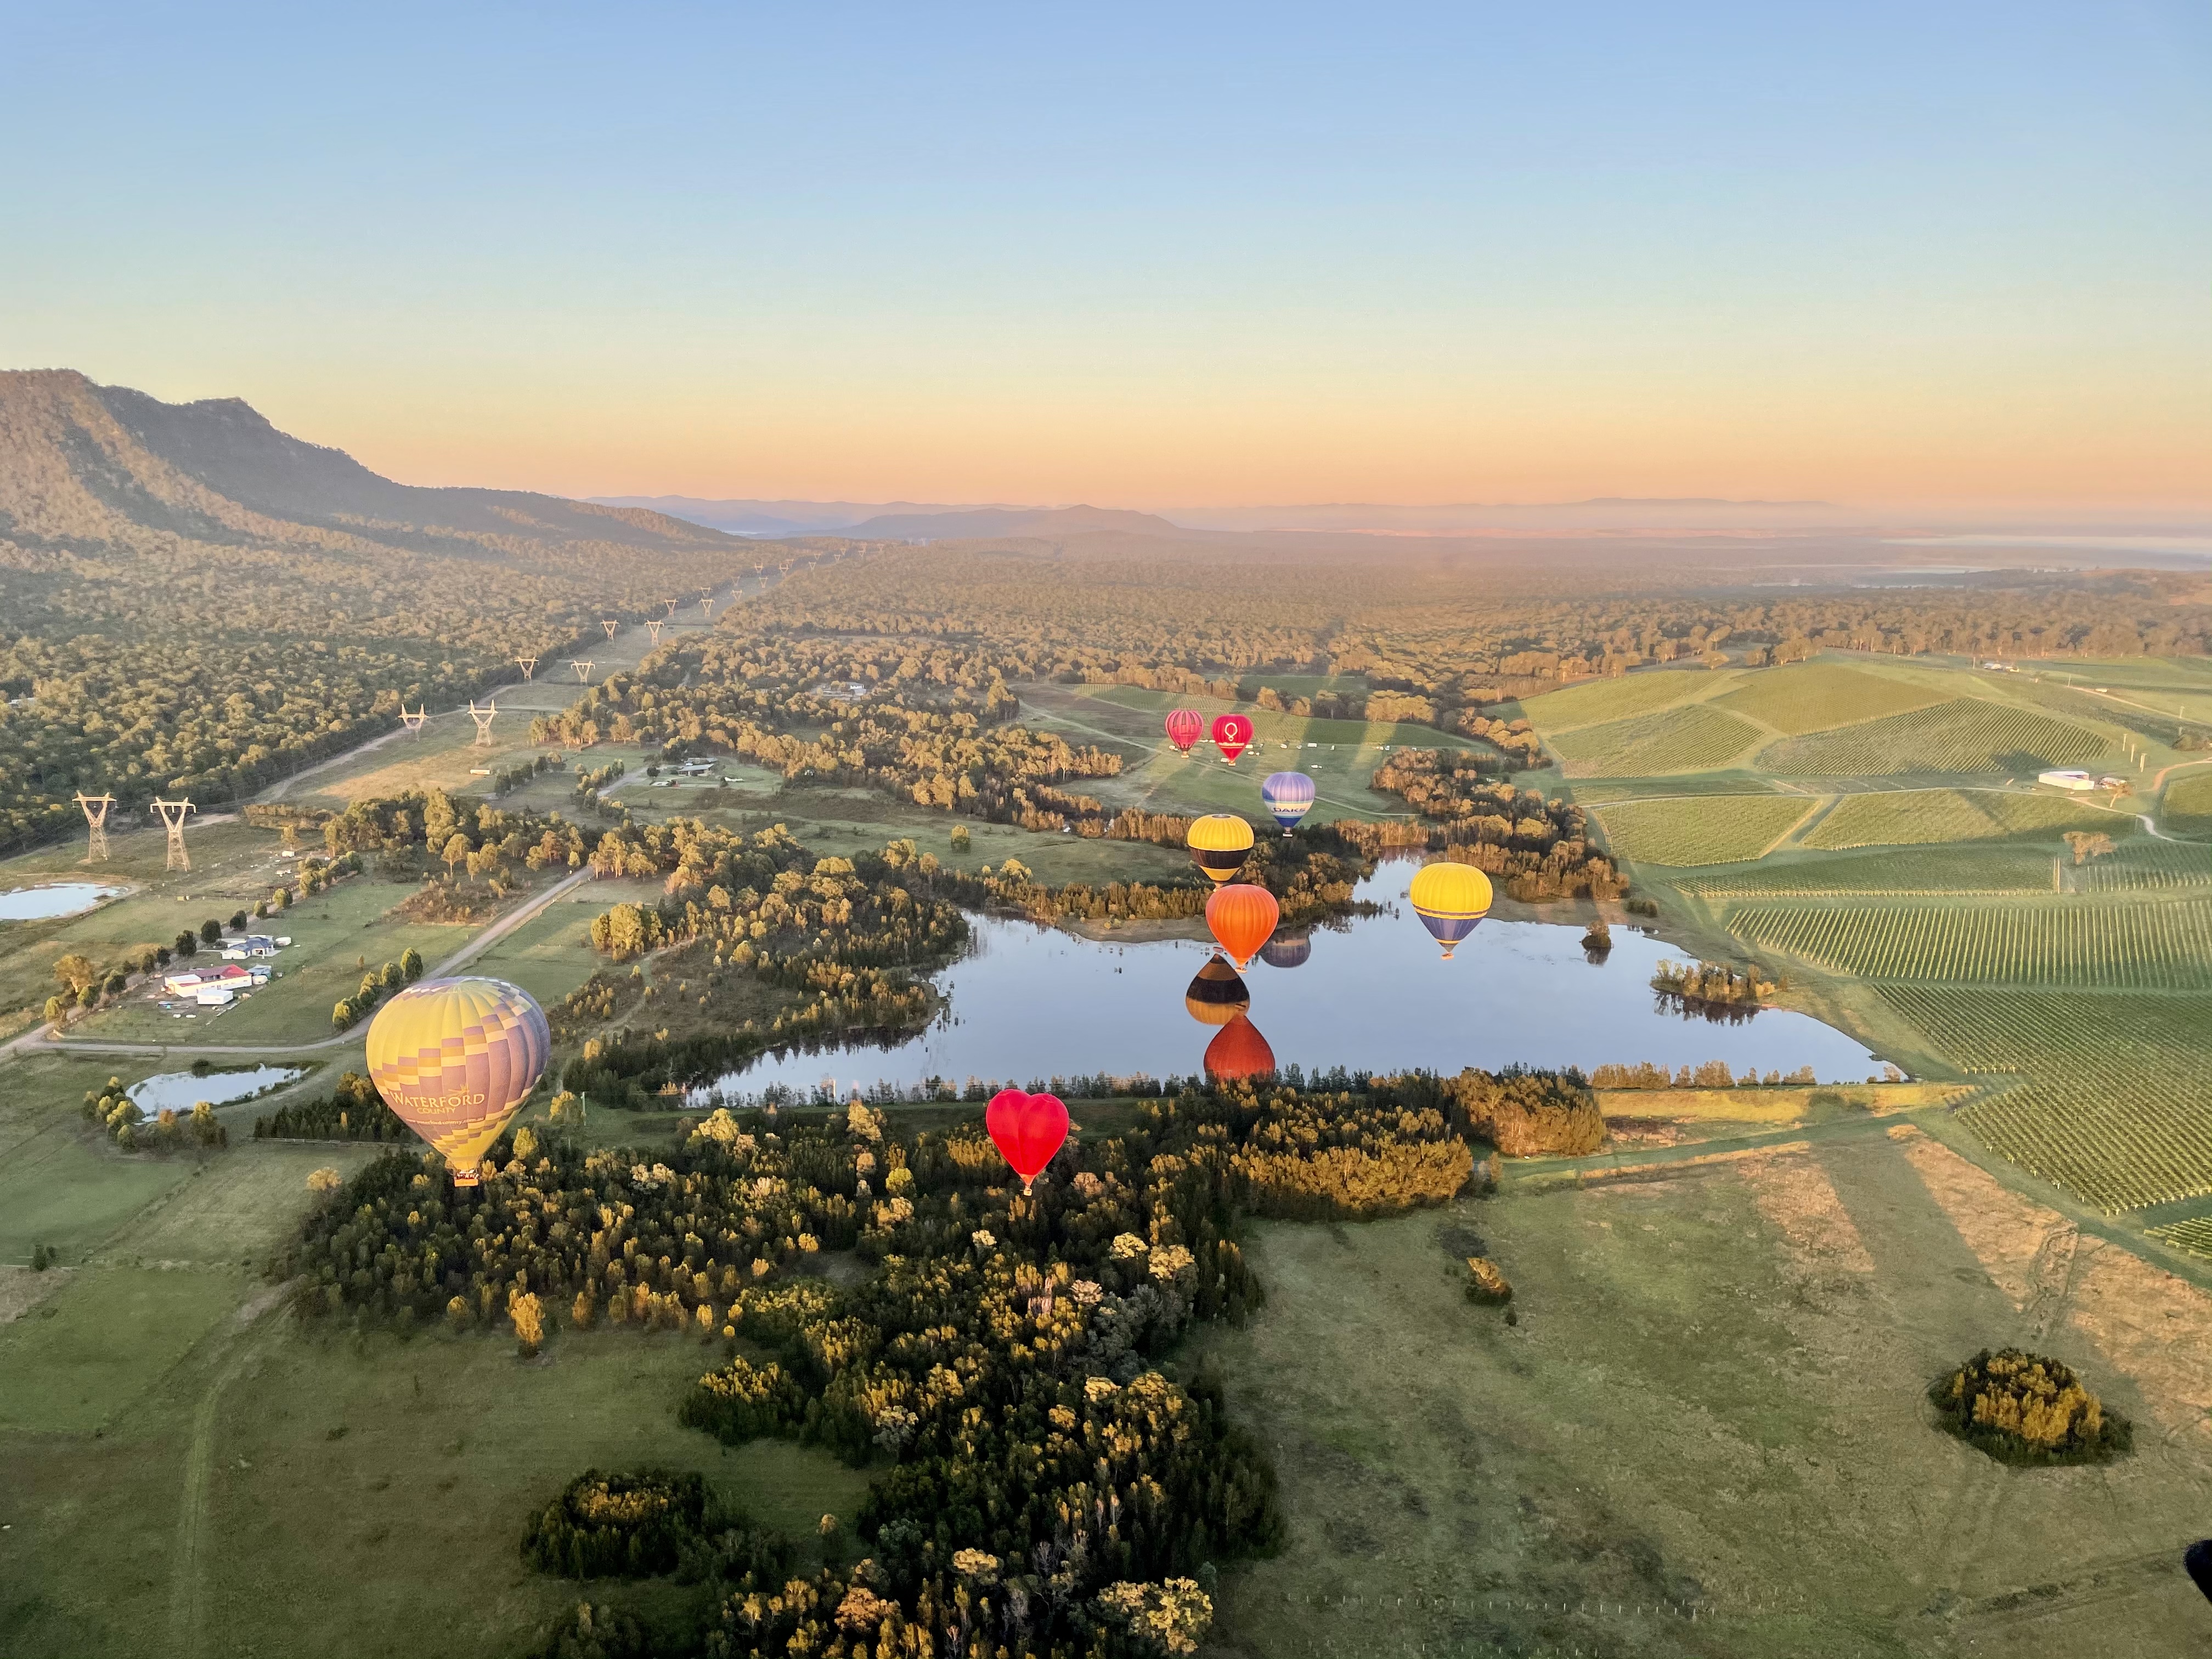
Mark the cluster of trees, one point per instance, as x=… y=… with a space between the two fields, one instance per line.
x=1529 y=1114
x=1042 y=1487
x=393 y=976
x=1713 y=1074
x=2021 y=1408
x=167 y=1131
x=1486 y=1284
x=1537 y=849
x=1711 y=985
x=353 y=1110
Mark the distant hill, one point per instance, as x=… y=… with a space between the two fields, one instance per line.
x=983 y=523
x=782 y=517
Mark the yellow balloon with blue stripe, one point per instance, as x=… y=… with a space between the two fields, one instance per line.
x=1449 y=898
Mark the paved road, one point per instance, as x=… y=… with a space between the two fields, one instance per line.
x=36 y=1040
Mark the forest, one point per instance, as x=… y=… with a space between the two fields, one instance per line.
x=1039 y=1483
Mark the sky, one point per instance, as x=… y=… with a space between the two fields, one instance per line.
x=1140 y=256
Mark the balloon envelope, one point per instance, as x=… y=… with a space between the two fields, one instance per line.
x=1231 y=734
x=1239 y=1051
x=1287 y=952
x=1288 y=797
x=1450 y=898
x=1242 y=917
x=1219 y=841
x=1184 y=729
x=1028 y=1130
x=1217 y=996
x=455 y=1059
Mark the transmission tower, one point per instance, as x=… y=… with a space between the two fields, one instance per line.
x=95 y=814
x=671 y=605
x=483 y=718
x=652 y=626
x=583 y=671
x=172 y=814
x=706 y=605
x=610 y=624
x=414 y=722
x=527 y=664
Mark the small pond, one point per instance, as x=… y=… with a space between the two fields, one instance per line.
x=1029 y=1002
x=179 y=1091
x=59 y=898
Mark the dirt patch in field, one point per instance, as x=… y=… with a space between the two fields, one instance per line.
x=2155 y=1327
x=1793 y=1192
x=2026 y=1249
x=21 y=1289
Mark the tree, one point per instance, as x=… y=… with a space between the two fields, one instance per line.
x=411 y=965
x=457 y=847
x=323 y=1183
x=187 y=943
x=2089 y=844
x=529 y=1317
x=76 y=971
x=57 y=1011
x=211 y=931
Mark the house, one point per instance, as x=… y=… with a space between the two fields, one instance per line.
x=192 y=982
x=2068 y=778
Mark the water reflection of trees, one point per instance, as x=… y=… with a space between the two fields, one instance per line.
x=1713 y=1013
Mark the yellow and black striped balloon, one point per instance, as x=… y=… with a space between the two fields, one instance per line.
x=1219 y=842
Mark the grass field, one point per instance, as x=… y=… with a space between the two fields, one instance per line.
x=1600 y=702
x=1712 y=1399
x=1708 y=830
x=1917 y=816
x=1697 y=738
x=1813 y=696
x=2188 y=802
x=1963 y=735
x=2166 y=946
x=1958 y=872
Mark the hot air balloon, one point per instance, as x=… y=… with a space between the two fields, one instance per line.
x=1231 y=732
x=1238 y=1051
x=1028 y=1130
x=1217 y=996
x=2197 y=1559
x=1242 y=917
x=1219 y=842
x=1288 y=797
x=1185 y=728
x=455 y=1059
x=1290 y=952
x=1450 y=898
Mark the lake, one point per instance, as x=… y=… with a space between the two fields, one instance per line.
x=179 y=1091
x=60 y=898
x=1029 y=1002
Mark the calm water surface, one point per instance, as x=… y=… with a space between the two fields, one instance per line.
x=1033 y=1002
x=179 y=1091
x=61 y=898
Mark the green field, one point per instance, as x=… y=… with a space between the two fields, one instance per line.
x=1708 y=830
x=2188 y=802
x=1813 y=696
x=1711 y=1402
x=1934 y=873
x=1963 y=735
x=1602 y=700
x=2164 y=945
x=1915 y=817
x=1697 y=738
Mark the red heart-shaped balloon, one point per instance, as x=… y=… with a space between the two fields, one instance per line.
x=1028 y=1130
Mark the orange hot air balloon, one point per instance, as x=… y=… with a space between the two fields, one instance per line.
x=1231 y=734
x=1217 y=996
x=1185 y=728
x=1238 y=1051
x=455 y=1059
x=1242 y=917
x=1219 y=842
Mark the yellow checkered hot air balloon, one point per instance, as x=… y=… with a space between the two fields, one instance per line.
x=455 y=1059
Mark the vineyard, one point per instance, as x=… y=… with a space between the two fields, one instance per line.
x=1965 y=735
x=2162 y=946
x=1935 y=872
x=1600 y=701
x=1693 y=739
x=2189 y=802
x=2144 y=866
x=2117 y=1107
x=1917 y=816
x=1709 y=829
x=1814 y=697
x=2194 y=1234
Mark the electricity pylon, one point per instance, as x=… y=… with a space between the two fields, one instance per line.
x=706 y=605
x=527 y=664
x=671 y=605
x=583 y=671
x=414 y=722
x=172 y=814
x=653 y=625
x=610 y=624
x=483 y=718
x=95 y=814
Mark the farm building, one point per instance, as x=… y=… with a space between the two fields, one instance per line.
x=2067 y=778
x=193 y=981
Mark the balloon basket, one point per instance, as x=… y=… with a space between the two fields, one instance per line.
x=467 y=1178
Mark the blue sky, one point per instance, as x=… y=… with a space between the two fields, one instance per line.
x=1140 y=255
